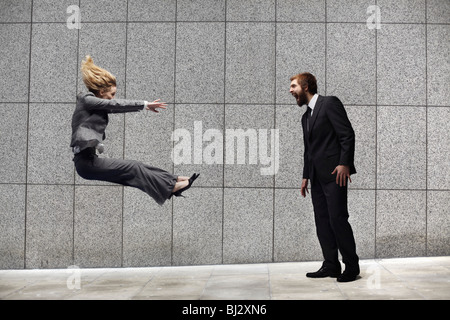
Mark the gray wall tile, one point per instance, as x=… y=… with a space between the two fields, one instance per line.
x=401 y=65
x=301 y=10
x=252 y=164
x=15 y=11
x=288 y=122
x=201 y=10
x=296 y=53
x=147 y=230
x=148 y=137
x=103 y=10
x=53 y=63
x=362 y=217
x=438 y=75
x=362 y=120
x=150 y=61
x=247 y=225
x=49 y=224
x=152 y=10
x=197 y=227
x=15 y=53
x=98 y=226
x=351 y=63
x=54 y=10
x=13 y=142
x=295 y=236
x=12 y=228
x=409 y=11
x=438 y=11
x=200 y=63
x=250 y=52
x=438 y=223
x=251 y=10
x=438 y=148
x=201 y=150
x=401 y=144
x=401 y=223
x=49 y=154
x=352 y=11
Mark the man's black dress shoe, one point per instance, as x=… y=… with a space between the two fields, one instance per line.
x=347 y=277
x=323 y=273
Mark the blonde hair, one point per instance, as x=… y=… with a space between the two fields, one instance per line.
x=94 y=77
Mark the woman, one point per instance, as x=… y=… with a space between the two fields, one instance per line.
x=89 y=122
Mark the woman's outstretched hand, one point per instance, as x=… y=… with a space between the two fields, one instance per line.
x=153 y=106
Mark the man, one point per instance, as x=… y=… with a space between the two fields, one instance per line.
x=328 y=162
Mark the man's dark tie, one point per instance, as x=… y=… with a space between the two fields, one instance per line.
x=308 y=117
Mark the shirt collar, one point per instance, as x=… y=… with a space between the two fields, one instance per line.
x=312 y=102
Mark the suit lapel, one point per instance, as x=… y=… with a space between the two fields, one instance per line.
x=316 y=111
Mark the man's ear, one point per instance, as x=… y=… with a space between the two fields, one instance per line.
x=305 y=89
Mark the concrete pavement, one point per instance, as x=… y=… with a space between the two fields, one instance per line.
x=426 y=278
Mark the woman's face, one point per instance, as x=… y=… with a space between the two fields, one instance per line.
x=109 y=93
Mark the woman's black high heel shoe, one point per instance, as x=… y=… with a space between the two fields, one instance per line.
x=191 y=180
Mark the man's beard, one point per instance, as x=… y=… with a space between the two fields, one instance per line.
x=301 y=99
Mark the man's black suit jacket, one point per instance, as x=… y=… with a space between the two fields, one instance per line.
x=330 y=141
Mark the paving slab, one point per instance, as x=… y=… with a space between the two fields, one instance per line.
x=380 y=279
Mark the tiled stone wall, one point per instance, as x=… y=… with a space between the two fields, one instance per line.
x=226 y=65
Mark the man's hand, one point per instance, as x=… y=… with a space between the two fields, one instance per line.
x=304 y=187
x=343 y=172
x=155 y=105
